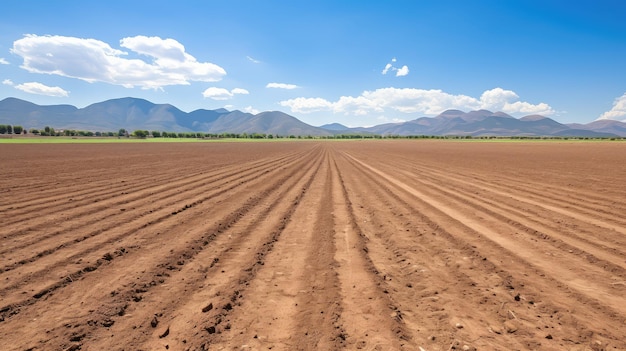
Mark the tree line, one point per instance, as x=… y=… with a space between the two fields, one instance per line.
x=9 y=129
x=142 y=134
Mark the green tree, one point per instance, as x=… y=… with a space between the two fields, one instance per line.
x=156 y=134
x=9 y=129
x=122 y=132
x=140 y=133
x=18 y=129
x=3 y=129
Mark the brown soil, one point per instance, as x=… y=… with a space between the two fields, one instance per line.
x=378 y=245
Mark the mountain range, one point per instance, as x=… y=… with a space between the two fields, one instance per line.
x=132 y=114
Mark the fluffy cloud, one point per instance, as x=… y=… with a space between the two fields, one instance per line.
x=41 y=89
x=223 y=94
x=3 y=61
x=409 y=100
x=251 y=110
x=7 y=82
x=281 y=86
x=618 y=112
x=401 y=72
x=507 y=101
x=240 y=91
x=307 y=105
x=497 y=98
x=92 y=60
x=387 y=68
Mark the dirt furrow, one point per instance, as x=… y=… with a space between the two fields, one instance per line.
x=519 y=248
x=356 y=245
x=599 y=298
x=131 y=289
x=126 y=177
x=293 y=286
x=604 y=215
x=195 y=302
x=52 y=195
x=47 y=192
x=538 y=228
x=570 y=201
x=429 y=276
x=546 y=189
x=62 y=256
x=107 y=215
x=580 y=238
x=67 y=261
x=562 y=184
x=494 y=290
x=129 y=193
x=370 y=319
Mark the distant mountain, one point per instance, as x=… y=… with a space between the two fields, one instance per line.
x=29 y=115
x=272 y=122
x=336 y=127
x=603 y=126
x=132 y=113
x=487 y=123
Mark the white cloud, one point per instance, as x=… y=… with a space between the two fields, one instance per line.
x=507 y=101
x=240 y=91
x=526 y=108
x=7 y=82
x=281 y=86
x=223 y=94
x=217 y=93
x=92 y=60
x=496 y=98
x=3 y=61
x=410 y=100
x=41 y=89
x=401 y=72
x=387 y=68
x=307 y=105
x=358 y=106
x=251 y=110
x=384 y=119
x=618 y=111
x=253 y=60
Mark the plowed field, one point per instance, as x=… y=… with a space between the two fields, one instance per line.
x=370 y=245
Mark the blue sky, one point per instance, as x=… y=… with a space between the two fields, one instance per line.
x=359 y=63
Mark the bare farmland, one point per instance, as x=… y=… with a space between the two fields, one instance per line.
x=378 y=245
